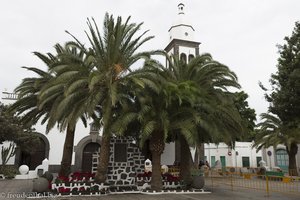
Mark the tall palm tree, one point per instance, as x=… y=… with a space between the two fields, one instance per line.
x=183 y=100
x=112 y=53
x=272 y=132
x=218 y=118
x=27 y=104
x=66 y=90
x=44 y=96
x=162 y=113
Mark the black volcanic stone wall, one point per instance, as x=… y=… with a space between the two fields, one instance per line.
x=124 y=173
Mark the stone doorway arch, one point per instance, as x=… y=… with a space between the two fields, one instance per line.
x=35 y=157
x=84 y=150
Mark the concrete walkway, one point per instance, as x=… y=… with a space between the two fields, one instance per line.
x=21 y=189
x=12 y=189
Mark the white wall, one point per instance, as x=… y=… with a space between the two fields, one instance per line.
x=217 y=150
x=244 y=149
x=187 y=51
x=182 y=33
x=270 y=160
x=168 y=156
x=57 y=139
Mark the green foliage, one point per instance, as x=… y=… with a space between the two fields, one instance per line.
x=9 y=125
x=9 y=171
x=282 y=124
x=14 y=130
x=269 y=132
x=217 y=118
x=190 y=99
x=110 y=57
x=247 y=114
x=285 y=94
x=83 y=82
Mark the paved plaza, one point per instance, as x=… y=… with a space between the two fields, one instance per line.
x=18 y=189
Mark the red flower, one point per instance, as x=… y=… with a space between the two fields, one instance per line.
x=64 y=190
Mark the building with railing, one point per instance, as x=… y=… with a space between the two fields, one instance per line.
x=244 y=156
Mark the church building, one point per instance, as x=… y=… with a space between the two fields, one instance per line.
x=87 y=141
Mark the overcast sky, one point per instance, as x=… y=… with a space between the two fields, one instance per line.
x=241 y=34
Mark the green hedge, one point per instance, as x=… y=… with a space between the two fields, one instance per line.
x=9 y=171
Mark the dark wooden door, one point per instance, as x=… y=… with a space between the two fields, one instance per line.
x=35 y=157
x=87 y=156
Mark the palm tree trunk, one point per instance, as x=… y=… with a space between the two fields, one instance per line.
x=66 y=162
x=105 y=144
x=103 y=160
x=185 y=161
x=292 y=159
x=157 y=146
x=198 y=155
x=156 y=182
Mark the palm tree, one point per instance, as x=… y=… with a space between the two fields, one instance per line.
x=183 y=100
x=158 y=110
x=218 y=119
x=27 y=104
x=162 y=113
x=66 y=90
x=28 y=91
x=112 y=54
x=272 y=132
x=44 y=96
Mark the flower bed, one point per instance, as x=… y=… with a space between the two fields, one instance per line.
x=78 y=183
x=169 y=181
x=83 y=184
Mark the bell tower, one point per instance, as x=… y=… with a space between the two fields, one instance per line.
x=181 y=36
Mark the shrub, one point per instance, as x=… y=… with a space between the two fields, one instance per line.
x=9 y=171
x=47 y=175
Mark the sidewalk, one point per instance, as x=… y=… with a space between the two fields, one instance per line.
x=17 y=189
x=12 y=189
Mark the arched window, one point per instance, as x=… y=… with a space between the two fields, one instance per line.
x=183 y=57
x=191 y=56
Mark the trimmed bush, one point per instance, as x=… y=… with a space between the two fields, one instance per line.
x=9 y=171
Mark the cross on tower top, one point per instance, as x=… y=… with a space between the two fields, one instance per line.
x=181 y=8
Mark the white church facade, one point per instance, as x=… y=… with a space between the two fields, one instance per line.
x=88 y=140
